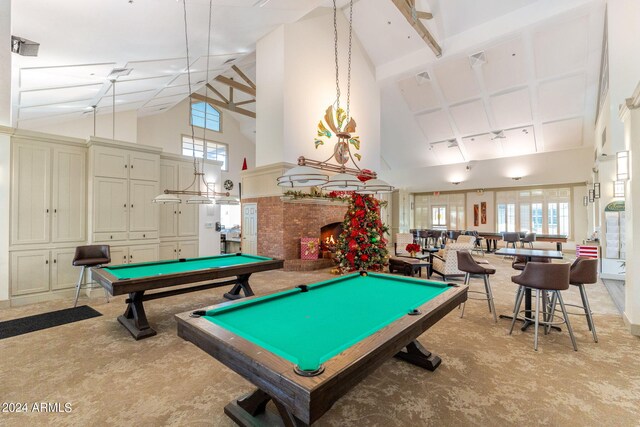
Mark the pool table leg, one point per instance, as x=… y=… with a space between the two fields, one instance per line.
x=245 y=411
x=134 y=317
x=242 y=283
x=419 y=356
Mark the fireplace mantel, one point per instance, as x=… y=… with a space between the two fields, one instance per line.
x=315 y=201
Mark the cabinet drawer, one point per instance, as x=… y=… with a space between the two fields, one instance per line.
x=109 y=237
x=143 y=235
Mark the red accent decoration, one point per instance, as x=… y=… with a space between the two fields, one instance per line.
x=413 y=247
x=365 y=175
x=244 y=164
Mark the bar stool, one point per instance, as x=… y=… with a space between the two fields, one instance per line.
x=545 y=277
x=90 y=256
x=519 y=262
x=472 y=268
x=584 y=270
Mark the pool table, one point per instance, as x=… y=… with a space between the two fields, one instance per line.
x=136 y=279
x=306 y=347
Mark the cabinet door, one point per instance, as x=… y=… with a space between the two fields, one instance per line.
x=31 y=193
x=144 y=166
x=110 y=207
x=68 y=201
x=63 y=274
x=143 y=253
x=29 y=272
x=187 y=249
x=110 y=162
x=187 y=214
x=143 y=213
x=168 y=212
x=119 y=255
x=168 y=251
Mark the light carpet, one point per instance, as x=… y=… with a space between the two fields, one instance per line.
x=486 y=378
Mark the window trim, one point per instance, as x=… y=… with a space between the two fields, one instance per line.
x=200 y=127
x=204 y=149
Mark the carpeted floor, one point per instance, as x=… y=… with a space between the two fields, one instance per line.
x=486 y=377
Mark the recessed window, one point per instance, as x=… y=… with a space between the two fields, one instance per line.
x=204 y=115
x=215 y=150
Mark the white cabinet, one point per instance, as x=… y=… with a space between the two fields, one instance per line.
x=31 y=195
x=124 y=182
x=63 y=274
x=110 y=207
x=176 y=250
x=119 y=255
x=48 y=201
x=29 y=272
x=143 y=213
x=177 y=220
x=68 y=195
x=143 y=253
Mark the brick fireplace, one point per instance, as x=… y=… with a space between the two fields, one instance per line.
x=283 y=221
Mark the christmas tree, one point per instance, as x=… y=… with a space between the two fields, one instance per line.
x=362 y=245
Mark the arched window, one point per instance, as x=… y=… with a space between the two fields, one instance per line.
x=199 y=111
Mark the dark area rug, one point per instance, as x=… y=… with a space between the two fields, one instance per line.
x=12 y=328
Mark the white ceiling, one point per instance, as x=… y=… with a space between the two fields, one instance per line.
x=536 y=80
x=527 y=68
x=81 y=41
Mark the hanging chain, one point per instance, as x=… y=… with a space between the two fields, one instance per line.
x=335 y=48
x=186 y=41
x=349 y=69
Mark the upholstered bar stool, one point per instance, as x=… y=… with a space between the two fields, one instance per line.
x=543 y=277
x=519 y=262
x=472 y=268
x=511 y=239
x=90 y=256
x=585 y=271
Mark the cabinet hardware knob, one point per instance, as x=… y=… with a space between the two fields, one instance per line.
x=132 y=205
x=125 y=166
x=144 y=235
x=130 y=256
x=55 y=211
x=46 y=261
x=175 y=212
x=125 y=205
x=132 y=166
x=180 y=212
x=111 y=237
x=55 y=261
x=47 y=210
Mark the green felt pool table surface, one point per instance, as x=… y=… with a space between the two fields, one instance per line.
x=146 y=269
x=308 y=328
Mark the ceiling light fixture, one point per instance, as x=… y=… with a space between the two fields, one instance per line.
x=336 y=121
x=455 y=182
x=516 y=178
x=194 y=191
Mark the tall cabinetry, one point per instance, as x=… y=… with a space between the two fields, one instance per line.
x=123 y=180
x=48 y=213
x=179 y=225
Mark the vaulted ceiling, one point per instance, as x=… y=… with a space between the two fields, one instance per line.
x=516 y=76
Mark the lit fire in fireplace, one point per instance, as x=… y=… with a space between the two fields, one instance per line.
x=329 y=240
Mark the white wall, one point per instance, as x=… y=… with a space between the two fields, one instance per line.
x=125 y=130
x=165 y=130
x=536 y=169
x=308 y=88
x=5 y=143
x=473 y=198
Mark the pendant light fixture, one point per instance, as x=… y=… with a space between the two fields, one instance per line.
x=336 y=121
x=194 y=191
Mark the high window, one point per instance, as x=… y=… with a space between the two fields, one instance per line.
x=541 y=211
x=204 y=115
x=215 y=150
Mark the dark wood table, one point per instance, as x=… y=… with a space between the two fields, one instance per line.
x=411 y=264
x=527 y=254
x=491 y=239
x=304 y=377
x=136 y=279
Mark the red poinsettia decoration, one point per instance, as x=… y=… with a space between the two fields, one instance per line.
x=413 y=247
x=365 y=175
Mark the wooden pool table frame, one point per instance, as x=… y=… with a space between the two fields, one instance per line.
x=135 y=318
x=302 y=400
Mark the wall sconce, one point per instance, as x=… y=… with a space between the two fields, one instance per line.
x=596 y=190
x=585 y=201
x=618 y=189
x=622 y=165
x=591 y=199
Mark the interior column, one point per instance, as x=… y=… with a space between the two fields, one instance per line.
x=5 y=157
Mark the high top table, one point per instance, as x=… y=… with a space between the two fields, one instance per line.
x=527 y=254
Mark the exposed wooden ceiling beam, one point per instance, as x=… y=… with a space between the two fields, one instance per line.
x=224 y=105
x=217 y=92
x=244 y=102
x=407 y=8
x=243 y=76
x=236 y=85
